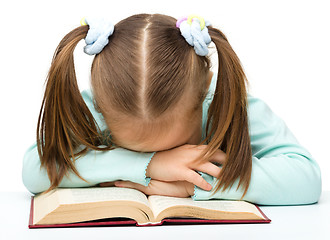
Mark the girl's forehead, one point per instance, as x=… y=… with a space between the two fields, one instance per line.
x=148 y=138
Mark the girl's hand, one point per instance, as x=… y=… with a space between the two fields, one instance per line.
x=178 y=164
x=172 y=189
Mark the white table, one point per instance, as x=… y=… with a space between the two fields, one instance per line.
x=290 y=222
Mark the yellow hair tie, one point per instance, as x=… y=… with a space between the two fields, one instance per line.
x=83 y=22
x=201 y=20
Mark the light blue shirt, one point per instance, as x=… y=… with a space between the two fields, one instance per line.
x=283 y=172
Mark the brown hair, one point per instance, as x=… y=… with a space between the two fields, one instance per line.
x=143 y=72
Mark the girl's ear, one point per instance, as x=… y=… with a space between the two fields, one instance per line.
x=227 y=125
x=65 y=121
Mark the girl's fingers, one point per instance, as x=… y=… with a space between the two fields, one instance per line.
x=219 y=157
x=198 y=180
x=128 y=184
x=154 y=188
x=165 y=188
x=107 y=184
x=210 y=169
x=175 y=189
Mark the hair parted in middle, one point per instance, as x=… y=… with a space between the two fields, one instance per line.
x=144 y=72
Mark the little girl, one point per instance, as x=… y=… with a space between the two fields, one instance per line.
x=158 y=120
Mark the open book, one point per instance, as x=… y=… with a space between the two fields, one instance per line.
x=113 y=206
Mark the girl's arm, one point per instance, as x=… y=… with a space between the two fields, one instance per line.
x=283 y=172
x=95 y=167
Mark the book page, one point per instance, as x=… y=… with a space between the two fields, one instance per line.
x=46 y=203
x=160 y=203
x=100 y=194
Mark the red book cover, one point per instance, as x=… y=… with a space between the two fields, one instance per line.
x=125 y=221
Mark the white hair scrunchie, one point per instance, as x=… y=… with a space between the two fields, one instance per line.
x=194 y=29
x=97 y=37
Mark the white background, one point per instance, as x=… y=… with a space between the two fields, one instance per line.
x=283 y=46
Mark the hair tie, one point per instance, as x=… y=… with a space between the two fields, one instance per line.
x=194 y=29
x=98 y=34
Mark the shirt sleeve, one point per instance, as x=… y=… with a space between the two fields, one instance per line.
x=94 y=166
x=283 y=172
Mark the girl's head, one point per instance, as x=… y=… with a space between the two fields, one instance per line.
x=150 y=85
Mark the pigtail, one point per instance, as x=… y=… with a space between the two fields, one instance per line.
x=227 y=124
x=65 y=122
